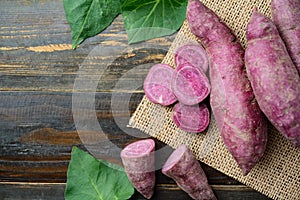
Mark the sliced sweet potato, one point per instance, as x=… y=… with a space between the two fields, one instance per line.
x=189 y=84
x=157 y=85
x=192 y=53
x=192 y=119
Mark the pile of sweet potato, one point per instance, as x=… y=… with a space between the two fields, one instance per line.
x=247 y=88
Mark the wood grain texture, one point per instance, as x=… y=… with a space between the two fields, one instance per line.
x=41 y=78
x=36 y=55
x=38 y=132
x=48 y=191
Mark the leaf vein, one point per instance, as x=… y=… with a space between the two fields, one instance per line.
x=92 y=183
x=84 y=22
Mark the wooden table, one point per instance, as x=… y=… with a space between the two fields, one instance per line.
x=38 y=70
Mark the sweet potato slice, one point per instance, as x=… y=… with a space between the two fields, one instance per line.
x=192 y=119
x=192 y=53
x=189 y=84
x=157 y=85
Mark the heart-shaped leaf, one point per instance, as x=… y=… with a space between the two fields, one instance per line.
x=92 y=179
x=146 y=19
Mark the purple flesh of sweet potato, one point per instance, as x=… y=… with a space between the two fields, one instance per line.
x=242 y=125
x=192 y=53
x=157 y=85
x=274 y=78
x=189 y=84
x=139 y=163
x=286 y=16
x=185 y=169
x=193 y=119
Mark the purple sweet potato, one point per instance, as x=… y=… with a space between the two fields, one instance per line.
x=286 y=16
x=157 y=85
x=274 y=78
x=192 y=119
x=139 y=163
x=186 y=171
x=242 y=125
x=189 y=84
x=192 y=53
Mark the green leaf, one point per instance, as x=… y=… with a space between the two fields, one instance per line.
x=147 y=19
x=87 y=18
x=92 y=179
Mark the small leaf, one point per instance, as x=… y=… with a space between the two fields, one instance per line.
x=146 y=19
x=87 y=18
x=92 y=179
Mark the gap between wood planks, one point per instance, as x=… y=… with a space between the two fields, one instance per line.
x=159 y=186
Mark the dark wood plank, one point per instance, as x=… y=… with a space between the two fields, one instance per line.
x=36 y=54
x=30 y=191
x=38 y=132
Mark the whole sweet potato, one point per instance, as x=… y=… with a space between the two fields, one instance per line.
x=286 y=16
x=238 y=116
x=273 y=76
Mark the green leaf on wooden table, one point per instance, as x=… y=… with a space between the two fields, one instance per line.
x=89 y=17
x=147 y=19
x=92 y=179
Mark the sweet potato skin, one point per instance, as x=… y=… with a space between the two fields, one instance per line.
x=273 y=76
x=241 y=123
x=286 y=16
x=188 y=174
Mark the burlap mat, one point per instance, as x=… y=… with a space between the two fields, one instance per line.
x=277 y=174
